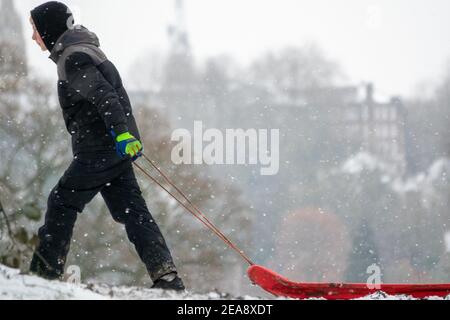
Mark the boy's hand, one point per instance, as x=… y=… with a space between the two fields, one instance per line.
x=128 y=145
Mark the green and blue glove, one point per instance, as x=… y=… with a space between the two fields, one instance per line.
x=128 y=145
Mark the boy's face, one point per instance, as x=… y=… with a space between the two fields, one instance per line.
x=36 y=37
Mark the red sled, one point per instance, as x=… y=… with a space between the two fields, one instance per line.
x=282 y=287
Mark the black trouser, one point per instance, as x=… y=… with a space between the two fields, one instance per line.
x=114 y=178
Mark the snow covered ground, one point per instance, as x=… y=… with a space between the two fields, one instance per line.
x=15 y=286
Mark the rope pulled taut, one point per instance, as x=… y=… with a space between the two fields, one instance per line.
x=194 y=210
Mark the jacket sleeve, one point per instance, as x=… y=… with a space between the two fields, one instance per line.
x=84 y=77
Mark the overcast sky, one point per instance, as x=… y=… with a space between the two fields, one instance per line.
x=394 y=43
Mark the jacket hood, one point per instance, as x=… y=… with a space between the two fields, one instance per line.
x=51 y=20
x=77 y=35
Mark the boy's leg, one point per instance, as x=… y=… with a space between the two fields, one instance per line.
x=80 y=183
x=54 y=237
x=127 y=206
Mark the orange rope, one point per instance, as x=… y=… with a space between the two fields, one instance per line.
x=195 y=207
x=197 y=214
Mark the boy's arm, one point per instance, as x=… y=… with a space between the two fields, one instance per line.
x=85 y=78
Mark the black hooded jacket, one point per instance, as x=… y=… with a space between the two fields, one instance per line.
x=92 y=97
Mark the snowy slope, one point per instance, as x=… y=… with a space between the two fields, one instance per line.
x=14 y=286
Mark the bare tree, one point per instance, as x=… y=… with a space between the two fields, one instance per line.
x=34 y=152
x=313 y=246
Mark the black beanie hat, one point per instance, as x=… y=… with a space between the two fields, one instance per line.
x=52 y=19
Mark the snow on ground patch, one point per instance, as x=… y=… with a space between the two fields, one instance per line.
x=385 y=296
x=360 y=162
x=15 y=286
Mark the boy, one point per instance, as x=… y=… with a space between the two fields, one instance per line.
x=105 y=142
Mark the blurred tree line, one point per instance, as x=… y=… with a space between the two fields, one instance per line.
x=33 y=154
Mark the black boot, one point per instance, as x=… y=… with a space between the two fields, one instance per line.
x=169 y=282
x=42 y=269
